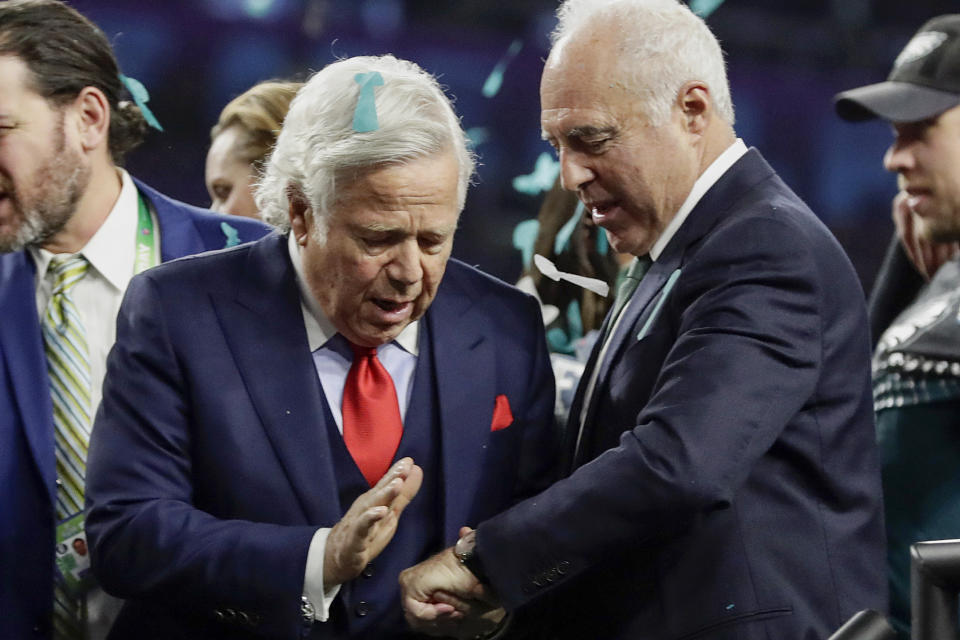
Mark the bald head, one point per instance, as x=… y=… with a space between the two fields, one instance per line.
x=649 y=47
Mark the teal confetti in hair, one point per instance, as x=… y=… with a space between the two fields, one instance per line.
x=704 y=8
x=140 y=97
x=232 y=235
x=492 y=86
x=365 y=115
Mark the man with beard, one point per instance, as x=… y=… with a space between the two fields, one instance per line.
x=74 y=228
x=916 y=365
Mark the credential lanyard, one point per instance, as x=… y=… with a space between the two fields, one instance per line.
x=148 y=241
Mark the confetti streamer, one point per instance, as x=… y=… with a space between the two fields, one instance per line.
x=492 y=86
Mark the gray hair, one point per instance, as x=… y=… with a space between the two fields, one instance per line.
x=318 y=150
x=665 y=45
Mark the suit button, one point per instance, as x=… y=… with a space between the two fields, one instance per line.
x=367 y=571
x=244 y=618
x=59 y=483
x=563 y=567
x=218 y=615
x=362 y=608
x=229 y=615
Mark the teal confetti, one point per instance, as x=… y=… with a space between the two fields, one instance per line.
x=544 y=173
x=603 y=245
x=365 y=114
x=574 y=320
x=562 y=239
x=495 y=80
x=476 y=136
x=729 y=607
x=140 y=97
x=258 y=8
x=524 y=237
x=704 y=8
x=232 y=235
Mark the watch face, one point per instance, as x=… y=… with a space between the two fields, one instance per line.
x=465 y=546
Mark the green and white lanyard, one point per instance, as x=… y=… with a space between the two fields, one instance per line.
x=148 y=240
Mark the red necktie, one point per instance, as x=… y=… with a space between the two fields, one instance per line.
x=371 y=414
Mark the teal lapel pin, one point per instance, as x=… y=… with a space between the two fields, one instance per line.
x=656 y=310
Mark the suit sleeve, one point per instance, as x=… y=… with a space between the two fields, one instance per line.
x=541 y=440
x=148 y=540
x=745 y=357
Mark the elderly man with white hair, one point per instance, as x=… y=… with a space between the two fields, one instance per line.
x=721 y=470
x=288 y=424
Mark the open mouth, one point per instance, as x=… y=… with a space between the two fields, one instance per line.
x=917 y=197
x=599 y=210
x=391 y=306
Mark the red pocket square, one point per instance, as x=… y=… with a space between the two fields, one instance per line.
x=502 y=416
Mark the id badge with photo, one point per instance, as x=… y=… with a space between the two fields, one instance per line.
x=72 y=556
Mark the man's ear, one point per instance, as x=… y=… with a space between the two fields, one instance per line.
x=92 y=110
x=696 y=106
x=301 y=215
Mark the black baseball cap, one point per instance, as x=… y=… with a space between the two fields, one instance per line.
x=924 y=82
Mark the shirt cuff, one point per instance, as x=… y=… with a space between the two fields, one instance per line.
x=313 y=588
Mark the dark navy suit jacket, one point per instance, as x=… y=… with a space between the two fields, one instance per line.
x=210 y=467
x=727 y=483
x=27 y=465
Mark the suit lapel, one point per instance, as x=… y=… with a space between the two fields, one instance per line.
x=634 y=314
x=745 y=174
x=263 y=325
x=466 y=388
x=178 y=234
x=21 y=346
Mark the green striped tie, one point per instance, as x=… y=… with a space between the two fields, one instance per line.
x=628 y=284
x=68 y=367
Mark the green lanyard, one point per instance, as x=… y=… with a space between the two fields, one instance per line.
x=148 y=241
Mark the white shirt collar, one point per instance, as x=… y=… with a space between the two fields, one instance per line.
x=110 y=250
x=706 y=180
x=319 y=328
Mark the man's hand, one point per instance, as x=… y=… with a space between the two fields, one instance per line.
x=926 y=255
x=441 y=597
x=369 y=524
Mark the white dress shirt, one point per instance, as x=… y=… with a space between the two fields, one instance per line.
x=332 y=358
x=707 y=179
x=97 y=297
x=98 y=294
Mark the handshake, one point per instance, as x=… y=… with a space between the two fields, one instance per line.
x=440 y=596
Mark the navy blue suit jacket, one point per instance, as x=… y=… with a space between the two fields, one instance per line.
x=210 y=466
x=27 y=465
x=727 y=483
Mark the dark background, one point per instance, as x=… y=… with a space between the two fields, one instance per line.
x=786 y=61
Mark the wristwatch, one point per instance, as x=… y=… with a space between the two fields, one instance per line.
x=466 y=552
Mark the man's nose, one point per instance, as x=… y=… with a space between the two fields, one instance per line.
x=406 y=267
x=899 y=157
x=574 y=172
